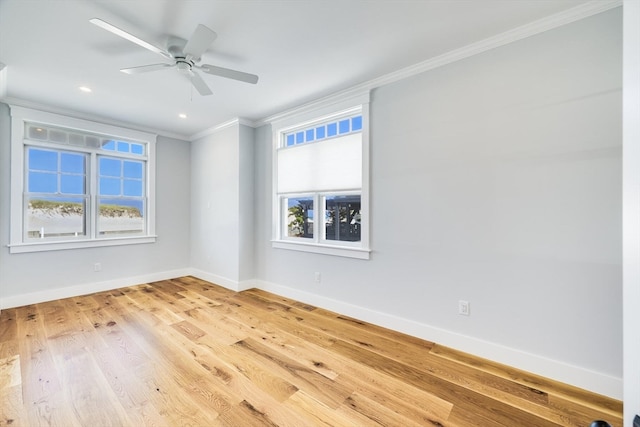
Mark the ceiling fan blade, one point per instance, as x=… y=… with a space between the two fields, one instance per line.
x=146 y=68
x=200 y=40
x=199 y=84
x=125 y=35
x=226 y=72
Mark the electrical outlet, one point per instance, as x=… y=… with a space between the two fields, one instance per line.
x=97 y=267
x=318 y=277
x=463 y=308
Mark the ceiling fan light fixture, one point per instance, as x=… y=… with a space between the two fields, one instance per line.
x=183 y=66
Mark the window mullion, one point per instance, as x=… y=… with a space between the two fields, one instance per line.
x=92 y=177
x=317 y=212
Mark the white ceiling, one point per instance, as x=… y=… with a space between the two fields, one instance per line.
x=301 y=49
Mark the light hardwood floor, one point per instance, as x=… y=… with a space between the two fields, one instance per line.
x=185 y=352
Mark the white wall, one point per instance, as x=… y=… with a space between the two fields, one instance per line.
x=221 y=209
x=495 y=179
x=631 y=187
x=40 y=276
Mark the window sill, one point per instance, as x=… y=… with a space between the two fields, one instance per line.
x=346 y=252
x=20 y=248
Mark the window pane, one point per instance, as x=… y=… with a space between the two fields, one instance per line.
x=344 y=126
x=110 y=167
x=55 y=217
x=299 y=137
x=132 y=188
x=137 y=148
x=309 y=135
x=123 y=147
x=43 y=160
x=72 y=184
x=290 y=140
x=356 y=123
x=320 y=132
x=132 y=169
x=42 y=182
x=119 y=216
x=110 y=186
x=76 y=139
x=299 y=218
x=57 y=136
x=109 y=145
x=37 y=133
x=342 y=218
x=332 y=129
x=92 y=141
x=72 y=163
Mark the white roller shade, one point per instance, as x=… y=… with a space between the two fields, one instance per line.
x=333 y=164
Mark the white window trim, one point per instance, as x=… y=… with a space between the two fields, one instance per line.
x=302 y=117
x=22 y=115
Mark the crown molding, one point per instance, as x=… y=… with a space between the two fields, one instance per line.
x=349 y=97
x=574 y=14
x=568 y=16
x=84 y=116
x=221 y=126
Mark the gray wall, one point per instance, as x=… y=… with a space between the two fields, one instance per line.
x=222 y=205
x=497 y=180
x=45 y=272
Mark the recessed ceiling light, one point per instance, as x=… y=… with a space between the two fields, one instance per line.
x=182 y=115
x=85 y=89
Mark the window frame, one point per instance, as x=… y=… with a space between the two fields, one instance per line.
x=20 y=117
x=300 y=119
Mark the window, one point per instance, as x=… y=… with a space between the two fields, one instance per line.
x=321 y=180
x=77 y=183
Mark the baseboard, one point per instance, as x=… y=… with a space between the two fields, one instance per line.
x=569 y=374
x=87 y=288
x=225 y=282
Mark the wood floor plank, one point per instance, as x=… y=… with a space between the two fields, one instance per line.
x=186 y=352
x=530 y=380
x=278 y=387
x=198 y=402
x=8 y=325
x=472 y=402
x=408 y=401
x=559 y=397
x=216 y=324
x=44 y=396
x=74 y=343
x=11 y=404
x=331 y=365
x=321 y=415
x=320 y=387
x=118 y=362
x=378 y=413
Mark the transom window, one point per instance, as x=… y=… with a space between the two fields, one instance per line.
x=321 y=183
x=326 y=130
x=78 y=186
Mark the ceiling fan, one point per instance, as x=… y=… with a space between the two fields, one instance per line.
x=185 y=57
